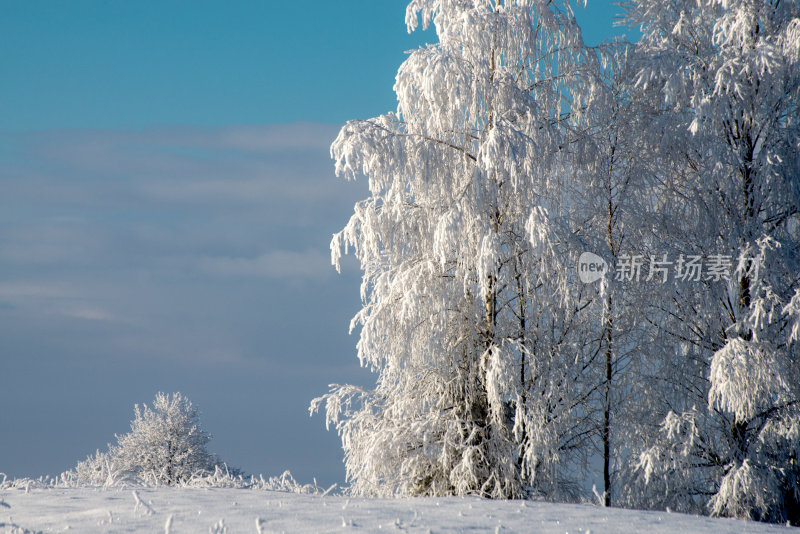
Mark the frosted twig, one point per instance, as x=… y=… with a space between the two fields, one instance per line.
x=218 y=527
x=148 y=510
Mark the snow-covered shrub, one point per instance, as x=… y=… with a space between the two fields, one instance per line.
x=221 y=477
x=96 y=470
x=166 y=445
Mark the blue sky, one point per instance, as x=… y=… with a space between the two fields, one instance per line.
x=109 y=64
x=167 y=204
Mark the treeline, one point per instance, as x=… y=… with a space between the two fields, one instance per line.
x=663 y=366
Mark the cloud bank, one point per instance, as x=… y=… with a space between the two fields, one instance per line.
x=172 y=259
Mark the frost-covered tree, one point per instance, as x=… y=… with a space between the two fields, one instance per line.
x=487 y=379
x=513 y=149
x=166 y=445
x=723 y=78
x=611 y=188
x=165 y=441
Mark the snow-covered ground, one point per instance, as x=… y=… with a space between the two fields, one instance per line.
x=217 y=510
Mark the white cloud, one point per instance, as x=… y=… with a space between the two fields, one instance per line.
x=35 y=290
x=54 y=298
x=85 y=311
x=310 y=264
x=296 y=136
x=165 y=243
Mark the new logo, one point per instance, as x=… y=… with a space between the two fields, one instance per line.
x=591 y=267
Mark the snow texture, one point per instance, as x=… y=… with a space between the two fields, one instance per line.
x=176 y=510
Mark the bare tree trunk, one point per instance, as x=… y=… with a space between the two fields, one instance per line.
x=609 y=336
x=607 y=409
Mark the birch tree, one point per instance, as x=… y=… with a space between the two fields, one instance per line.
x=471 y=319
x=725 y=86
x=612 y=188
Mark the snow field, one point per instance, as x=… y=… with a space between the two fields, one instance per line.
x=230 y=511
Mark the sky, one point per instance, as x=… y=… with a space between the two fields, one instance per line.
x=167 y=204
